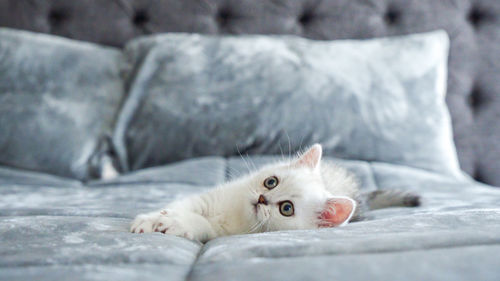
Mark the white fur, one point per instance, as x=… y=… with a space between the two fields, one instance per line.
x=232 y=207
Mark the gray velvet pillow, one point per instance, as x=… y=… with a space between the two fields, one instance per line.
x=376 y=100
x=58 y=99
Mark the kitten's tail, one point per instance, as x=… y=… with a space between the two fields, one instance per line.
x=385 y=198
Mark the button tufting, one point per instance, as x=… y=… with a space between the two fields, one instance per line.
x=391 y=16
x=475 y=99
x=56 y=17
x=223 y=17
x=305 y=18
x=476 y=174
x=475 y=16
x=140 y=17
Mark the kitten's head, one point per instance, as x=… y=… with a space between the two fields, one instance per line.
x=292 y=195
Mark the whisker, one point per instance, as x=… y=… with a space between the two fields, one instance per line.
x=250 y=229
x=233 y=172
x=251 y=162
x=267 y=225
x=255 y=227
x=289 y=145
x=242 y=158
x=281 y=152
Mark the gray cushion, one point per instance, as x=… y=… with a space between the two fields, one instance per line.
x=377 y=100
x=58 y=100
x=474 y=29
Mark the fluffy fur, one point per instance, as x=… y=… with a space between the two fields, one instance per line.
x=304 y=193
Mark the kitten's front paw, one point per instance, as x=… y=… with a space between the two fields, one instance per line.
x=144 y=223
x=164 y=221
x=170 y=224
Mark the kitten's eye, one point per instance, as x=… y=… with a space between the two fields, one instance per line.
x=286 y=208
x=271 y=182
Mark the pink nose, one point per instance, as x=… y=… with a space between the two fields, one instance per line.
x=262 y=200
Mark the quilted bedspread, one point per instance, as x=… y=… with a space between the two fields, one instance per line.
x=55 y=229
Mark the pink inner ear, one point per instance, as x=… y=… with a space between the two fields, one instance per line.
x=311 y=157
x=337 y=211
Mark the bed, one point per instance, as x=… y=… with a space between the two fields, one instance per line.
x=59 y=221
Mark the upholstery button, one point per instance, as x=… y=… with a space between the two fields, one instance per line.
x=56 y=17
x=305 y=18
x=392 y=16
x=475 y=16
x=476 y=174
x=223 y=17
x=480 y=15
x=475 y=99
x=140 y=17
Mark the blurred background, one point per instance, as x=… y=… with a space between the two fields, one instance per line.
x=473 y=26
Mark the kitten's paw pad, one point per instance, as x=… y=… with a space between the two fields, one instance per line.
x=144 y=223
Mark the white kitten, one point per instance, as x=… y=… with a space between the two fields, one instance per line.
x=304 y=193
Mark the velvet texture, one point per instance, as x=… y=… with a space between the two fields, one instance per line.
x=377 y=100
x=52 y=228
x=58 y=100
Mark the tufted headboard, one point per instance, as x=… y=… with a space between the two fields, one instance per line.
x=473 y=26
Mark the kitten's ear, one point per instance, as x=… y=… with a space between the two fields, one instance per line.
x=310 y=158
x=337 y=211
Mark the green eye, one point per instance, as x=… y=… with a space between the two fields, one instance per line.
x=286 y=208
x=271 y=182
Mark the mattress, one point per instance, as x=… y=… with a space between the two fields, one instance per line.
x=54 y=228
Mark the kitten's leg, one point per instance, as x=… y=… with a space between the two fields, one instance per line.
x=180 y=223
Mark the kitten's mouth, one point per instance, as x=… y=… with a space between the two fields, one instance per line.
x=255 y=207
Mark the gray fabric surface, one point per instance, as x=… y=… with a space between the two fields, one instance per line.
x=473 y=25
x=124 y=271
x=58 y=99
x=80 y=232
x=461 y=263
x=378 y=100
x=70 y=209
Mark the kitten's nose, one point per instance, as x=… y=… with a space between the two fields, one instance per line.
x=262 y=200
